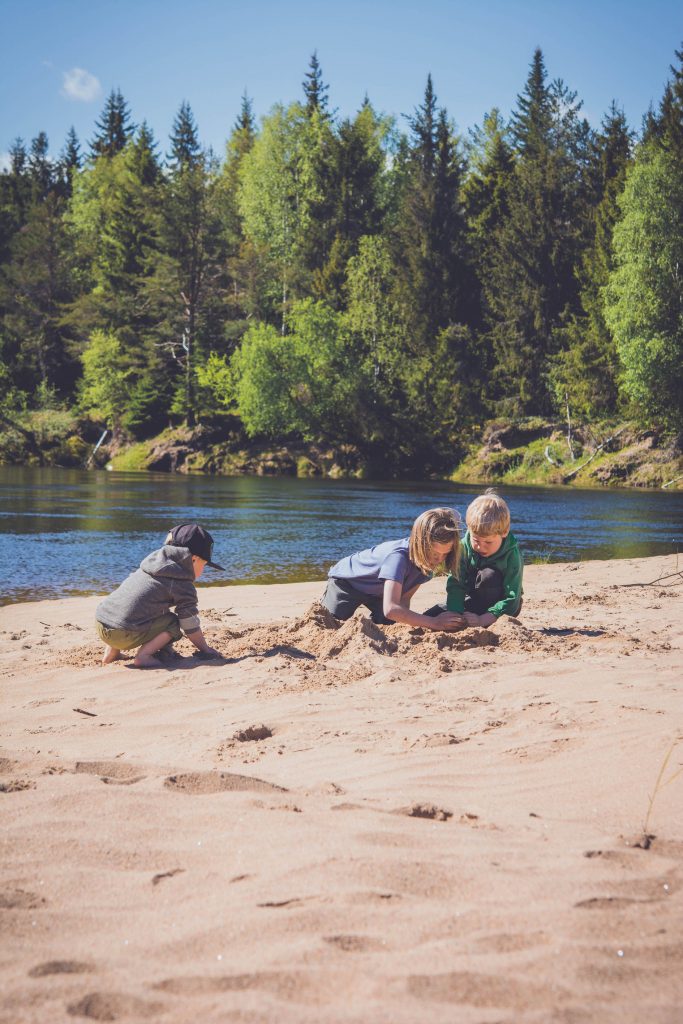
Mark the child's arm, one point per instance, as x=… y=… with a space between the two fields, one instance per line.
x=455 y=592
x=395 y=607
x=485 y=619
x=188 y=614
x=197 y=638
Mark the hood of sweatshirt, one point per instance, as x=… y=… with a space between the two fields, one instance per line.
x=169 y=562
x=508 y=548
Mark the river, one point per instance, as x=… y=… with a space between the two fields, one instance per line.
x=67 y=532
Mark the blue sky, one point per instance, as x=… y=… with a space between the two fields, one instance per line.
x=60 y=58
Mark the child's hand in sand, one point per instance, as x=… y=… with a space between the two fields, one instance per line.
x=205 y=654
x=486 y=619
x=447 y=620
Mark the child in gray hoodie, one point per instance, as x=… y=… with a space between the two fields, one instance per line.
x=137 y=614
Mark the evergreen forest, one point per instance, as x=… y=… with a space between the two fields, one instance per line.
x=370 y=281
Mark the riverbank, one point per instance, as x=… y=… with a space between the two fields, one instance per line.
x=526 y=452
x=354 y=824
x=531 y=452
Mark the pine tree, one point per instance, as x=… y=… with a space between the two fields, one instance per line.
x=15 y=196
x=350 y=199
x=71 y=154
x=113 y=214
x=114 y=127
x=315 y=90
x=69 y=162
x=35 y=286
x=144 y=160
x=585 y=370
x=40 y=167
x=185 y=148
x=531 y=283
x=671 y=110
x=429 y=230
x=187 y=287
x=240 y=254
x=531 y=123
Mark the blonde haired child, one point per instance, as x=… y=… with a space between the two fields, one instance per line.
x=488 y=581
x=384 y=578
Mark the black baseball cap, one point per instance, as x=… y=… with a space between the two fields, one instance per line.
x=197 y=539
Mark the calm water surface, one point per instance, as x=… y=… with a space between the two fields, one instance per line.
x=65 y=532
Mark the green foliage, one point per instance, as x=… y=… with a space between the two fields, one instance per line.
x=276 y=194
x=215 y=383
x=305 y=383
x=337 y=280
x=104 y=388
x=585 y=369
x=532 y=283
x=644 y=295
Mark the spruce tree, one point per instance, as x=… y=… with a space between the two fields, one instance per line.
x=671 y=110
x=185 y=151
x=584 y=372
x=241 y=257
x=187 y=287
x=315 y=90
x=429 y=231
x=114 y=128
x=69 y=162
x=35 y=286
x=41 y=168
x=531 y=283
x=350 y=199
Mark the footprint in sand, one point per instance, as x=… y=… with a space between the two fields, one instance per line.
x=354 y=943
x=635 y=890
x=609 y=902
x=16 y=786
x=112 y=1006
x=206 y=783
x=60 y=967
x=111 y=772
x=483 y=990
x=425 y=811
x=254 y=733
x=20 y=899
x=294 y=986
x=437 y=739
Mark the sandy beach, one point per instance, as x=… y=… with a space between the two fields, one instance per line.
x=350 y=823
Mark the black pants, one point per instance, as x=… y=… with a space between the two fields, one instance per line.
x=485 y=589
x=341 y=598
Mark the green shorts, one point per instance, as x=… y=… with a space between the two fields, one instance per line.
x=127 y=639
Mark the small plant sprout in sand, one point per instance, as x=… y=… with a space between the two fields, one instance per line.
x=647 y=837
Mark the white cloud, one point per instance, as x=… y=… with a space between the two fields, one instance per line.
x=5 y=162
x=78 y=84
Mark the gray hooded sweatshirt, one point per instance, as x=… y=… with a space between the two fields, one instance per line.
x=165 y=579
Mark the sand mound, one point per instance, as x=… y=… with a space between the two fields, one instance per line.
x=318 y=637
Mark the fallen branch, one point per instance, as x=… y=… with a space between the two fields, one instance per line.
x=550 y=459
x=568 y=476
x=659 y=579
x=90 y=714
x=674 y=481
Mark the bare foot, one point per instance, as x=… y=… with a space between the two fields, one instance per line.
x=110 y=654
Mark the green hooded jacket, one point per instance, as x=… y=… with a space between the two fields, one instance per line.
x=507 y=560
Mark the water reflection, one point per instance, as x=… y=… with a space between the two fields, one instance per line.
x=69 y=532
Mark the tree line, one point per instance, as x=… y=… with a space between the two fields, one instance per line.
x=350 y=280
